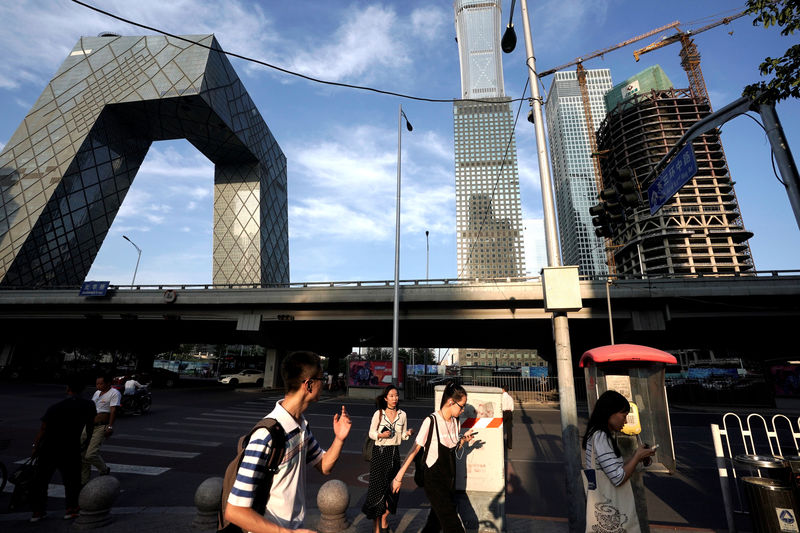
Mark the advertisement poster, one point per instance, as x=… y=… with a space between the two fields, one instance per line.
x=374 y=374
x=416 y=370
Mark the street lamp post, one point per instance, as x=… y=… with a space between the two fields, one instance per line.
x=427 y=255
x=139 y=251
x=566 y=384
x=396 y=310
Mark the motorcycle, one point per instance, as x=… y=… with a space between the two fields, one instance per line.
x=139 y=402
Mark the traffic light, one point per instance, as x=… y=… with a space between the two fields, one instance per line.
x=601 y=220
x=627 y=191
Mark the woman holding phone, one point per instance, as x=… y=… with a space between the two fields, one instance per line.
x=387 y=429
x=604 y=457
x=440 y=461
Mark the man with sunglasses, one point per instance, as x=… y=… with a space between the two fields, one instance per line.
x=302 y=376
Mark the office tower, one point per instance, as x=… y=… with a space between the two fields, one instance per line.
x=573 y=168
x=66 y=170
x=698 y=231
x=488 y=211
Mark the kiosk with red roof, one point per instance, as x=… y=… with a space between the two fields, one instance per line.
x=636 y=372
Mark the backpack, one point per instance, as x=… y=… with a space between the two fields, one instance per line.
x=276 y=452
x=420 y=458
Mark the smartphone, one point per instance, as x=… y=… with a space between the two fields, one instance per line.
x=655 y=447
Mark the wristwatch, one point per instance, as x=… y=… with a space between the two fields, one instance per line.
x=109 y=427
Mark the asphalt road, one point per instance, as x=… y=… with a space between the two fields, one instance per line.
x=190 y=434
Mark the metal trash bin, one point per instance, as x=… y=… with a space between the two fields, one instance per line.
x=772 y=505
x=765 y=466
x=794 y=464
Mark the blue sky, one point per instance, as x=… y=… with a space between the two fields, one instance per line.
x=341 y=143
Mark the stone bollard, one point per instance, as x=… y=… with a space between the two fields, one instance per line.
x=95 y=500
x=333 y=500
x=207 y=500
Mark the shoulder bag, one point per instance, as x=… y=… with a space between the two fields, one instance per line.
x=369 y=443
x=608 y=508
x=419 y=459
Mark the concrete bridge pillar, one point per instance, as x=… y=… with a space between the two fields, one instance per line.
x=271 y=368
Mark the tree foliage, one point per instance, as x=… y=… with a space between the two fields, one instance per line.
x=785 y=70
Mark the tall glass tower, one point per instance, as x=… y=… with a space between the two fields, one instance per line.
x=488 y=211
x=573 y=169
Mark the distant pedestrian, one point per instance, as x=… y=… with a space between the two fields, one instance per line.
x=302 y=374
x=387 y=428
x=507 y=406
x=106 y=399
x=440 y=461
x=57 y=446
x=330 y=381
x=614 y=497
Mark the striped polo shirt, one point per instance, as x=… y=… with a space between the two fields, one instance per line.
x=286 y=506
x=606 y=460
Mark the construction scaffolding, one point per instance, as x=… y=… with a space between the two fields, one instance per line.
x=700 y=230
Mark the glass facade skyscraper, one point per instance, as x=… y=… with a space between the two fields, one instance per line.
x=488 y=210
x=67 y=168
x=573 y=170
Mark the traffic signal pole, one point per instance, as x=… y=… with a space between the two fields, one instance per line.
x=566 y=384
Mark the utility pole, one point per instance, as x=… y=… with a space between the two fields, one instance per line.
x=566 y=384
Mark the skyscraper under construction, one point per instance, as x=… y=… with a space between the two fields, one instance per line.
x=698 y=231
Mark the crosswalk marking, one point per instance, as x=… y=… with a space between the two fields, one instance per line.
x=149 y=451
x=167 y=440
x=217 y=424
x=229 y=416
x=184 y=431
x=221 y=421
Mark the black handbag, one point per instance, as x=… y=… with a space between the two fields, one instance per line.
x=419 y=459
x=369 y=444
x=23 y=479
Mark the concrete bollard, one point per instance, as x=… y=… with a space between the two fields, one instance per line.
x=332 y=501
x=207 y=500
x=95 y=500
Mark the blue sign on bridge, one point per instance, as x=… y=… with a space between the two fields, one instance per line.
x=94 y=288
x=680 y=170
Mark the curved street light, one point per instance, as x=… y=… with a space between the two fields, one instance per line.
x=139 y=251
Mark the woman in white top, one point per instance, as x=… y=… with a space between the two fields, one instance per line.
x=608 y=416
x=440 y=462
x=387 y=429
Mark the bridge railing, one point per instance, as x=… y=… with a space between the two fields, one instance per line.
x=417 y=282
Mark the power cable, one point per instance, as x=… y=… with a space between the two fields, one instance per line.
x=281 y=69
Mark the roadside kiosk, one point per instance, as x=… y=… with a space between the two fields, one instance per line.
x=636 y=372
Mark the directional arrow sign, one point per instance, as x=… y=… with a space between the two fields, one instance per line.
x=680 y=170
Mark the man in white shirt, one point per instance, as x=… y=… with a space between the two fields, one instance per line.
x=106 y=400
x=507 y=405
x=302 y=376
x=131 y=386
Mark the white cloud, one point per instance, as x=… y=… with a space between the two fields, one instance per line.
x=428 y=22
x=362 y=43
x=573 y=16
x=32 y=58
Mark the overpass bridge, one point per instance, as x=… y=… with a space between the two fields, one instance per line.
x=756 y=315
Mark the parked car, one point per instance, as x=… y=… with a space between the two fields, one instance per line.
x=249 y=375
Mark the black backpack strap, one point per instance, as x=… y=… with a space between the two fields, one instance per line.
x=276 y=452
x=433 y=426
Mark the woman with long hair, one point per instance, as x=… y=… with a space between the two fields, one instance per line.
x=440 y=461
x=609 y=416
x=387 y=429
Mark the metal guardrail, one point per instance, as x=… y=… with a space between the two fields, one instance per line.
x=423 y=282
x=537 y=389
x=779 y=437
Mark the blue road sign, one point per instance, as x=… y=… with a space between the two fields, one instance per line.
x=94 y=288
x=681 y=169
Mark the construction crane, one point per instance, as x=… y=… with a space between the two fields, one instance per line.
x=587 y=110
x=690 y=57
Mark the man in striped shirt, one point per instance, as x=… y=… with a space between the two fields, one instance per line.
x=302 y=376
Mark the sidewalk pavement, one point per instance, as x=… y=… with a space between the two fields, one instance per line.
x=179 y=520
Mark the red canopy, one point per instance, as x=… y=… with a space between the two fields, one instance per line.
x=626 y=352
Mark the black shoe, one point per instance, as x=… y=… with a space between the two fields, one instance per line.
x=107 y=471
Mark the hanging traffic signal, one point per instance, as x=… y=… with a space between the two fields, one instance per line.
x=601 y=219
x=627 y=191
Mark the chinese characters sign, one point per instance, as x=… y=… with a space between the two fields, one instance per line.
x=680 y=170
